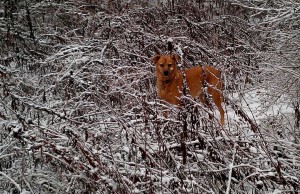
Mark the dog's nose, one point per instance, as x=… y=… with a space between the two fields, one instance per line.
x=166 y=73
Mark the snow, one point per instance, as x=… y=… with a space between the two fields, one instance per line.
x=259 y=183
x=253 y=150
x=170 y=40
x=200 y=157
x=25 y=192
x=79 y=111
x=276 y=191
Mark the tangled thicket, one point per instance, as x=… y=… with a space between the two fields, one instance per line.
x=79 y=111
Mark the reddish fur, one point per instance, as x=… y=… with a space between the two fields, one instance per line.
x=170 y=86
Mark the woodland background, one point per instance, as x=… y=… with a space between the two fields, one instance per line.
x=79 y=111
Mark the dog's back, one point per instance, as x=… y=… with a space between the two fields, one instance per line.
x=209 y=77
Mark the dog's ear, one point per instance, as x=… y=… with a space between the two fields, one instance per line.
x=155 y=58
x=176 y=57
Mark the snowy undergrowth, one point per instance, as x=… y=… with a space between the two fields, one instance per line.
x=79 y=111
x=162 y=154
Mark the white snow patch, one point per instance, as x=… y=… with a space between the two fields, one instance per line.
x=253 y=150
x=126 y=149
x=276 y=191
x=170 y=40
x=25 y=192
x=118 y=156
x=259 y=183
x=200 y=157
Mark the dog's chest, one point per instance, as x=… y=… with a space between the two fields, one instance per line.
x=170 y=92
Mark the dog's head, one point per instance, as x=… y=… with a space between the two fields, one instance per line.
x=166 y=66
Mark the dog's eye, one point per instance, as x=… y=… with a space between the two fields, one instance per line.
x=162 y=65
x=169 y=65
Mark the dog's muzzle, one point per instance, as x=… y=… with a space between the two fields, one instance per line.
x=166 y=73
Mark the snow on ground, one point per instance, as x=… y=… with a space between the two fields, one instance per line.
x=254 y=104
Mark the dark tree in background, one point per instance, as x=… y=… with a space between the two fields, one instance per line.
x=79 y=111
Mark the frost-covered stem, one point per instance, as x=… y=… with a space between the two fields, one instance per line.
x=230 y=169
x=297 y=115
x=23 y=168
x=181 y=54
x=11 y=180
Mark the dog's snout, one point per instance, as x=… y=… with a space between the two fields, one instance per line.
x=166 y=73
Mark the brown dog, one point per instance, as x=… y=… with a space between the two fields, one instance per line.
x=170 y=81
